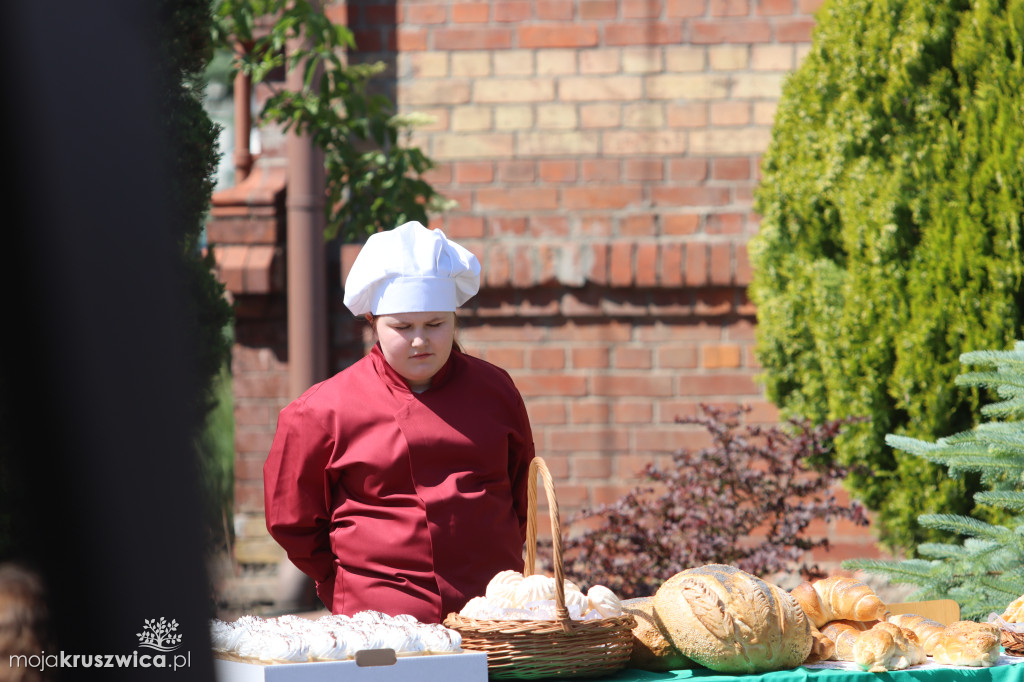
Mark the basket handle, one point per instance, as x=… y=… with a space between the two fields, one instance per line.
x=537 y=465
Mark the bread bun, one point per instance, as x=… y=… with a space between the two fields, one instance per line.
x=843 y=634
x=968 y=643
x=651 y=648
x=927 y=630
x=730 y=621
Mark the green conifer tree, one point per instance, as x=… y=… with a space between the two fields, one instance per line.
x=984 y=570
x=891 y=236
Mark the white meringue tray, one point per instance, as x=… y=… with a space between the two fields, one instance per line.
x=469 y=666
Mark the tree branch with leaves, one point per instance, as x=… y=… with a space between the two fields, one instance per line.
x=374 y=175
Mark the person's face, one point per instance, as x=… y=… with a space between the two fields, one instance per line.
x=416 y=345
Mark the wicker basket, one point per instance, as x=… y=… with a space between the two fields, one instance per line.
x=531 y=649
x=1013 y=642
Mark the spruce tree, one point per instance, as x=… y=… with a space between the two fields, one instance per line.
x=891 y=200
x=984 y=570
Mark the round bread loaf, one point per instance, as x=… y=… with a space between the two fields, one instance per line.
x=731 y=621
x=651 y=649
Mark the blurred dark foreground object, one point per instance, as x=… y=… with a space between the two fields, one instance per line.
x=97 y=468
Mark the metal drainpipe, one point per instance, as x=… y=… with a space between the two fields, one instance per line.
x=243 y=124
x=307 y=270
x=307 y=305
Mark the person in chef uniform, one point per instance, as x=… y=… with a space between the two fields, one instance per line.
x=399 y=484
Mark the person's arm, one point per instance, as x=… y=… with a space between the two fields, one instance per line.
x=296 y=495
x=521 y=453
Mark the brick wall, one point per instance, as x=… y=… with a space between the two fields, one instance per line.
x=604 y=155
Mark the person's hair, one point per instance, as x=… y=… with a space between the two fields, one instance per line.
x=24 y=621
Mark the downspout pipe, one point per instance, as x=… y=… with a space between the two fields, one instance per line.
x=306 y=264
x=306 y=301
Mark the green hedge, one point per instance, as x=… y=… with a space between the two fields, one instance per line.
x=891 y=199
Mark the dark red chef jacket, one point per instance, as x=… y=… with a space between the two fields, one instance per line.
x=397 y=501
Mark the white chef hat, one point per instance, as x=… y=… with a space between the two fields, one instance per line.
x=411 y=269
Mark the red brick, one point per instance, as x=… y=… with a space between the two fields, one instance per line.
x=720 y=266
x=730 y=31
x=473 y=39
x=424 y=14
x=248 y=496
x=550 y=384
x=641 y=9
x=498 y=272
x=516 y=171
x=595 y=197
x=729 y=8
x=474 y=172
x=689 y=196
x=507 y=358
x=546 y=358
x=685 y=8
x=620 y=267
x=646 y=265
x=646 y=33
x=774 y=7
x=670 y=269
x=522 y=267
x=517 y=198
x=632 y=358
x=463 y=226
x=548 y=226
x=719 y=356
x=600 y=170
x=721 y=384
x=260 y=385
x=581 y=303
x=677 y=356
x=598 y=273
x=631 y=384
x=696 y=268
x=732 y=168
x=249 y=468
x=553 y=10
x=470 y=12
x=546 y=412
x=589 y=358
x=588 y=412
x=629 y=412
x=511 y=11
x=718 y=301
x=592 y=440
x=644 y=169
x=592 y=467
x=724 y=223
x=691 y=170
x=499 y=226
x=557 y=171
x=643 y=225
x=680 y=223
x=591 y=10
x=557 y=36
x=794 y=30
x=253 y=415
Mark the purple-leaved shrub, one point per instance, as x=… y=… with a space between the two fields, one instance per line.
x=746 y=500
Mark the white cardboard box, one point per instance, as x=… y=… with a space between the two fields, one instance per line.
x=469 y=666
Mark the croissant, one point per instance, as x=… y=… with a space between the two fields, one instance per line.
x=887 y=647
x=927 y=630
x=822 y=647
x=838 y=598
x=968 y=643
x=843 y=634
